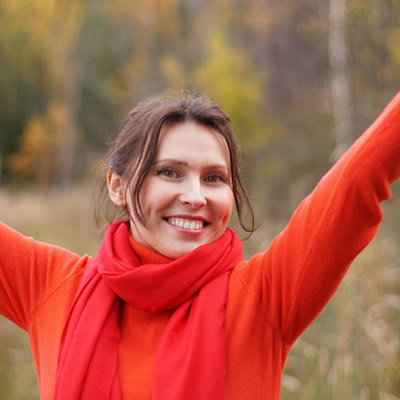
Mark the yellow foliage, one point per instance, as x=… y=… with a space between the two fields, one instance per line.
x=39 y=144
x=174 y=72
x=228 y=76
x=154 y=17
x=46 y=27
x=44 y=20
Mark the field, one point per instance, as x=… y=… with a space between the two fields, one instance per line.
x=352 y=351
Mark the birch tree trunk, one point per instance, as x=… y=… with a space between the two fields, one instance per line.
x=340 y=80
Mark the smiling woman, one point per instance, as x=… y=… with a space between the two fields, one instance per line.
x=187 y=194
x=168 y=309
x=133 y=153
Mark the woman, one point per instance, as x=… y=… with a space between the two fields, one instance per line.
x=168 y=309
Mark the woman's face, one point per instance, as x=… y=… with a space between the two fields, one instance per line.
x=186 y=197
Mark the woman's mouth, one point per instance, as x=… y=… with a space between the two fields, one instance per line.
x=184 y=223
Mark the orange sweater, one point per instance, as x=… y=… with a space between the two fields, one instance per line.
x=272 y=297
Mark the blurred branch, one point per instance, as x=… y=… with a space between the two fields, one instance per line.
x=340 y=81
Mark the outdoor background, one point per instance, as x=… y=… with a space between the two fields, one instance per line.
x=301 y=80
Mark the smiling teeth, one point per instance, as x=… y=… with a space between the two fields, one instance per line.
x=186 y=223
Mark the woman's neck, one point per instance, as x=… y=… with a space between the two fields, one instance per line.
x=146 y=255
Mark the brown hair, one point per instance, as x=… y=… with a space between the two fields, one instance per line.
x=133 y=151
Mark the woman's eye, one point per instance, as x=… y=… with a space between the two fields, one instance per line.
x=167 y=172
x=215 y=178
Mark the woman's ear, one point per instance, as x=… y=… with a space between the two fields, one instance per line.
x=115 y=188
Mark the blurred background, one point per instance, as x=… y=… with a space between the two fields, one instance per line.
x=300 y=79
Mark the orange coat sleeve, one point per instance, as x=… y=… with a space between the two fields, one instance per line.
x=30 y=273
x=294 y=279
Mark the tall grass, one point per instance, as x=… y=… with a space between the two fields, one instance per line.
x=352 y=351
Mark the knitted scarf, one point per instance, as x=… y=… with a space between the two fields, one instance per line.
x=190 y=362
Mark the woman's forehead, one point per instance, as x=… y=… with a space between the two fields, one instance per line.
x=189 y=139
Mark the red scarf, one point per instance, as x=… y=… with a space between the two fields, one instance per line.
x=190 y=362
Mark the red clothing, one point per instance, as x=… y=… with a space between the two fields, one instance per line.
x=272 y=297
x=190 y=360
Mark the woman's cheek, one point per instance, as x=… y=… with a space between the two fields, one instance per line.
x=224 y=203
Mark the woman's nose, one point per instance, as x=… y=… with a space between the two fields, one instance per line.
x=192 y=194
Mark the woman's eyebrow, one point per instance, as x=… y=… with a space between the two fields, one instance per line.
x=172 y=161
x=185 y=164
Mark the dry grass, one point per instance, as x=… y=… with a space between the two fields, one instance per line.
x=351 y=352
x=59 y=217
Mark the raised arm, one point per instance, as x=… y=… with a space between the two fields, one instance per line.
x=30 y=272
x=304 y=265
